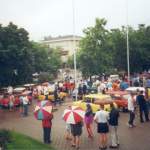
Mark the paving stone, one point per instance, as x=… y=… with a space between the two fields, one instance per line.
x=137 y=138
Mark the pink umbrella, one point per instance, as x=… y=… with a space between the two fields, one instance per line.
x=43 y=110
x=73 y=115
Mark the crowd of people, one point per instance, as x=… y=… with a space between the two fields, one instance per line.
x=106 y=121
x=16 y=102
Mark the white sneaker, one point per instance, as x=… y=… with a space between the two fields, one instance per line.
x=129 y=125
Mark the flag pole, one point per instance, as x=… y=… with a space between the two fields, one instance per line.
x=74 y=46
x=127 y=38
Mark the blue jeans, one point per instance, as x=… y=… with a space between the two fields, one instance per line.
x=25 y=112
x=131 y=118
x=47 y=135
x=148 y=105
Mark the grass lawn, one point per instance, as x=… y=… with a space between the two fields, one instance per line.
x=23 y=142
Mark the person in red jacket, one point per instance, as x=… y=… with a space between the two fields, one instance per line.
x=47 y=124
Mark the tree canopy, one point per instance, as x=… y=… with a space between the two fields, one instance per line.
x=103 y=50
x=20 y=58
x=94 y=55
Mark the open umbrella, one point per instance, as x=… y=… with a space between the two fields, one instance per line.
x=73 y=115
x=43 y=110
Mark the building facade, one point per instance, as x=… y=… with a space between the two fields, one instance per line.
x=67 y=44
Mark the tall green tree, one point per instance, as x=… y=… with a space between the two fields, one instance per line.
x=15 y=59
x=103 y=50
x=46 y=59
x=95 y=54
x=139 y=48
x=20 y=58
x=117 y=38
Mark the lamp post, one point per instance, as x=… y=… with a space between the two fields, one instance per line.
x=74 y=58
x=127 y=38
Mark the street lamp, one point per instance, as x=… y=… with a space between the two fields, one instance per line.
x=75 y=64
x=127 y=38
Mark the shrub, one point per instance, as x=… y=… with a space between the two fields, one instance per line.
x=4 y=138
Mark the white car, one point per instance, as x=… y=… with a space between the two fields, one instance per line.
x=19 y=89
x=114 y=77
x=134 y=89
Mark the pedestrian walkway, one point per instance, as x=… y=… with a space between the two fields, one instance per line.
x=137 y=138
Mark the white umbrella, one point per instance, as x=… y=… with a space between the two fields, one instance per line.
x=73 y=115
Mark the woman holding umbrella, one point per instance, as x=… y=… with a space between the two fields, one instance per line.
x=76 y=131
x=74 y=116
x=43 y=111
x=47 y=124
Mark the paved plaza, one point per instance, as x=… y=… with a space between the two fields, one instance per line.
x=137 y=138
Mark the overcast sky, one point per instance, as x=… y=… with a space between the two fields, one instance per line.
x=54 y=17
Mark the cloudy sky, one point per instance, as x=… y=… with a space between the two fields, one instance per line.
x=54 y=17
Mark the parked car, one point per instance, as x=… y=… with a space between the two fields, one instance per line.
x=4 y=101
x=92 y=90
x=19 y=90
x=120 y=98
x=134 y=89
x=17 y=101
x=61 y=95
x=95 y=100
x=114 y=77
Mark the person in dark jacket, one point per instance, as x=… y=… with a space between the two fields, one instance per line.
x=84 y=89
x=80 y=91
x=142 y=107
x=113 y=121
x=55 y=96
x=47 y=124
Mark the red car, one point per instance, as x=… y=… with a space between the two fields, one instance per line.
x=120 y=98
x=17 y=101
x=4 y=102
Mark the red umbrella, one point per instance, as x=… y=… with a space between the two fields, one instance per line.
x=43 y=110
x=73 y=115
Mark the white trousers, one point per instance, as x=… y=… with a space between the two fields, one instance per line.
x=114 y=136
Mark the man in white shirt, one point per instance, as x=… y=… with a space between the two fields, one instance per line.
x=45 y=90
x=131 y=108
x=10 y=90
x=25 y=102
x=102 y=87
x=101 y=118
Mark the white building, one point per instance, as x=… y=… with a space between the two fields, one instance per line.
x=67 y=44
